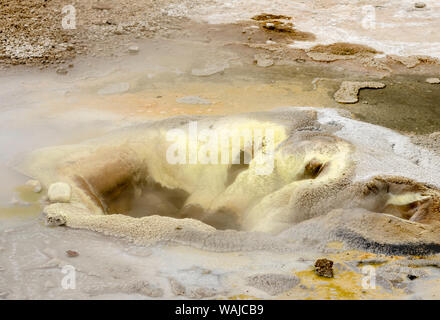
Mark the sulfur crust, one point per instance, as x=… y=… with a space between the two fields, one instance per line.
x=313 y=177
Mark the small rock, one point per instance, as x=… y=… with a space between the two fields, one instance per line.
x=349 y=90
x=59 y=192
x=324 y=268
x=35 y=185
x=420 y=5
x=133 y=49
x=433 y=80
x=119 y=30
x=412 y=277
x=72 y=254
x=62 y=71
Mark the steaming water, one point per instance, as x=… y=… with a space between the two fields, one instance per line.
x=26 y=123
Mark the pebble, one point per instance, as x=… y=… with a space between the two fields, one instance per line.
x=59 y=192
x=433 y=80
x=72 y=254
x=119 y=30
x=133 y=49
x=62 y=71
x=324 y=268
x=420 y=5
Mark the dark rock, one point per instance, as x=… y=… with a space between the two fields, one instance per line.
x=412 y=277
x=324 y=268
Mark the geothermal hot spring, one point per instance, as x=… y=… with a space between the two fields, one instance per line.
x=336 y=181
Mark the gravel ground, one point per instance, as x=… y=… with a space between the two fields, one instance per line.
x=32 y=32
x=429 y=141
